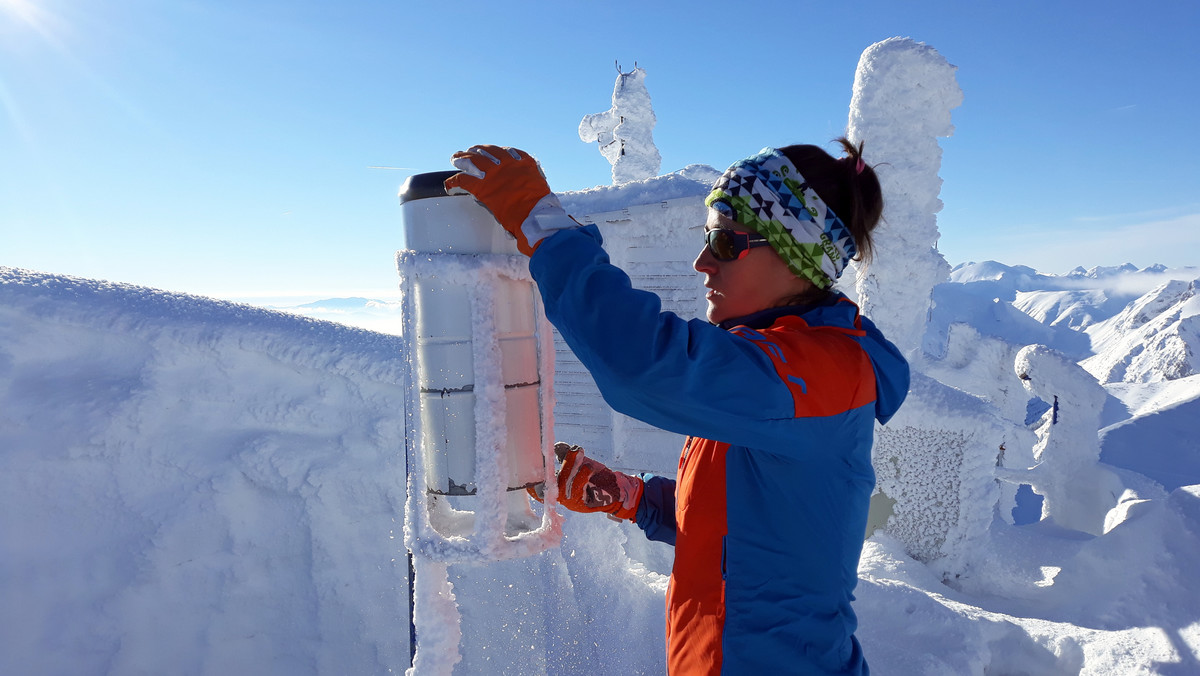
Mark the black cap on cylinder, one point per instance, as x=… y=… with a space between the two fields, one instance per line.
x=424 y=186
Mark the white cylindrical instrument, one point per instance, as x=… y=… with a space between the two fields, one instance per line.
x=480 y=418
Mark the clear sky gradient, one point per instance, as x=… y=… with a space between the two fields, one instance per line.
x=225 y=147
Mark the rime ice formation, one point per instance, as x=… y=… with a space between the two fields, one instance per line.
x=970 y=358
x=903 y=94
x=938 y=460
x=478 y=532
x=434 y=605
x=478 y=420
x=934 y=464
x=1078 y=492
x=625 y=132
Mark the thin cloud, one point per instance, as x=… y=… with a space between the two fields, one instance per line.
x=1149 y=215
x=1173 y=242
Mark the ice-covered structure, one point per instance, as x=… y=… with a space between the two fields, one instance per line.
x=478 y=419
x=1077 y=491
x=935 y=490
x=625 y=132
x=903 y=94
x=963 y=426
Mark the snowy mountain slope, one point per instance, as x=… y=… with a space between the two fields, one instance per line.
x=1173 y=464
x=1064 y=305
x=959 y=303
x=1143 y=398
x=1078 y=299
x=997 y=280
x=1077 y=309
x=1141 y=311
x=1133 y=333
x=1157 y=337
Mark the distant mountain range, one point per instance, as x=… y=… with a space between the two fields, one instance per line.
x=373 y=314
x=1142 y=324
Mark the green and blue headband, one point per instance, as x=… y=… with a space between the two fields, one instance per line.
x=767 y=194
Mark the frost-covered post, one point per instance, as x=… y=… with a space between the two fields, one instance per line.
x=934 y=461
x=625 y=132
x=435 y=610
x=903 y=94
x=1078 y=491
x=478 y=408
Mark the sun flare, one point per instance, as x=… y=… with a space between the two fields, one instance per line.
x=20 y=14
x=22 y=9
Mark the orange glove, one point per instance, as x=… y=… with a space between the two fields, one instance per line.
x=587 y=485
x=511 y=185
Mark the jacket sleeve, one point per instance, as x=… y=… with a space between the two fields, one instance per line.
x=689 y=377
x=656 y=511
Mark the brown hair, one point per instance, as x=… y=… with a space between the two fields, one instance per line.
x=854 y=196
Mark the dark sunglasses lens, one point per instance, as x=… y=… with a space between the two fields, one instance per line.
x=722 y=244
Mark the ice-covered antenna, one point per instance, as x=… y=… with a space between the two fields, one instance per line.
x=622 y=73
x=625 y=132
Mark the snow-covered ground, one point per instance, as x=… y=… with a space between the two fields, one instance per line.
x=193 y=486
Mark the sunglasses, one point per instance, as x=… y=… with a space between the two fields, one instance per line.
x=731 y=245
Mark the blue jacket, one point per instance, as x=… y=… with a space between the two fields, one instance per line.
x=769 y=509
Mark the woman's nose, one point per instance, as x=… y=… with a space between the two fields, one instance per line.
x=705 y=262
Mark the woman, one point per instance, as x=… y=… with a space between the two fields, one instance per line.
x=778 y=393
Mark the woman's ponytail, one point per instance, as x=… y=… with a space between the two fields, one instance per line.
x=848 y=184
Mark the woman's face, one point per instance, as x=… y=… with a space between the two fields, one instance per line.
x=757 y=281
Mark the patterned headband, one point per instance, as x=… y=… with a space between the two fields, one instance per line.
x=767 y=194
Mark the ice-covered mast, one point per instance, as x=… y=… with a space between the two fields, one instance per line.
x=625 y=132
x=903 y=94
x=934 y=461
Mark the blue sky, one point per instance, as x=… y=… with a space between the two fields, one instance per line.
x=224 y=147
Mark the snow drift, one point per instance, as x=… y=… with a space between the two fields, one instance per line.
x=191 y=486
